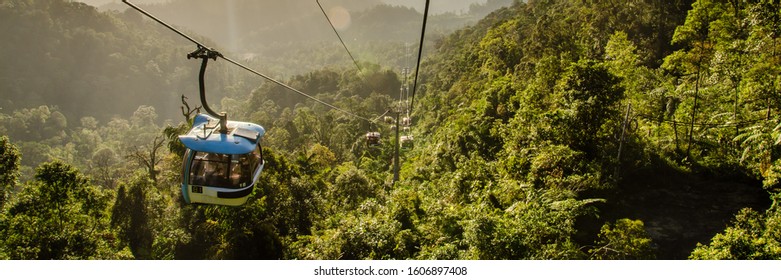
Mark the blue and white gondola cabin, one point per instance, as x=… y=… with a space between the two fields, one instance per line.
x=221 y=168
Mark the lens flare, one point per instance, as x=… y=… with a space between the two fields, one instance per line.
x=340 y=18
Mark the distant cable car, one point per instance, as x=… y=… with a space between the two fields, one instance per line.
x=221 y=168
x=373 y=138
x=407 y=141
x=406 y=121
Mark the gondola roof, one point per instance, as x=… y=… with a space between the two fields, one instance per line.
x=242 y=137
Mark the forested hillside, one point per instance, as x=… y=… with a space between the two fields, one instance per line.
x=293 y=37
x=547 y=130
x=66 y=54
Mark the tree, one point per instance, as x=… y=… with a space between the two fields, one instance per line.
x=624 y=240
x=752 y=236
x=58 y=216
x=350 y=188
x=148 y=156
x=130 y=216
x=590 y=98
x=693 y=62
x=104 y=165
x=9 y=168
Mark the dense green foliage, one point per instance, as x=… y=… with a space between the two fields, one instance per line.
x=530 y=127
x=752 y=236
x=9 y=166
x=58 y=216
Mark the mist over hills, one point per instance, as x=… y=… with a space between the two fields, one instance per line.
x=438 y=6
x=549 y=129
x=244 y=25
x=282 y=38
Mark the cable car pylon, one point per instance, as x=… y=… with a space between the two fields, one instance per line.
x=402 y=103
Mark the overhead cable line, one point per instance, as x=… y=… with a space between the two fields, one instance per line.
x=218 y=54
x=420 y=54
x=338 y=36
x=383 y=114
x=163 y=23
x=294 y=90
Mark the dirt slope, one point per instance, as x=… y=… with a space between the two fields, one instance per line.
x=680 y=209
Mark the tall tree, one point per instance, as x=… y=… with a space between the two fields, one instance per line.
x=590 y=97
x=692 y=63
x=149 y=156
x=58 y=216
x=131 y=217
x=9 y=168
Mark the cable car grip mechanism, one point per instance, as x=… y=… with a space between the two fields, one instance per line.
x=205 y=54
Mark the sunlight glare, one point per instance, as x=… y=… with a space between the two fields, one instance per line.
x=340 y=18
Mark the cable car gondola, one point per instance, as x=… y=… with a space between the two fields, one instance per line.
x=221 y=168
x=223 y=159
x=406 y=121
x=373 y=138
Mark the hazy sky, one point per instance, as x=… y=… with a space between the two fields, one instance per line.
x=437 y=6
x=103 y=2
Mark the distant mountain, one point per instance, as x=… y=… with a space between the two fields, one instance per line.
x=244 y=25
x=108 y=62
x=293 y=37
x=437 y=6
x=89 y=63
x=98 y=3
